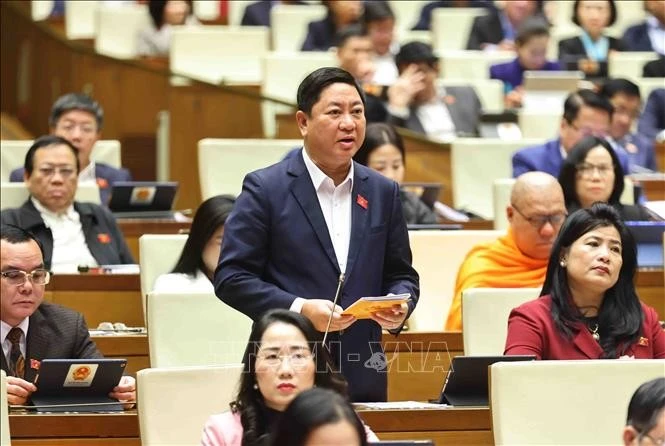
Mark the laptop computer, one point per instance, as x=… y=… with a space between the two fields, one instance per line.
x=78 y=385
x=548 y=89
x=467 y=382
x=147 y=199
x=648 y=237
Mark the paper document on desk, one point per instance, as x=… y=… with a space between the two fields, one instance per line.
x=405 y=405
x=365 y=306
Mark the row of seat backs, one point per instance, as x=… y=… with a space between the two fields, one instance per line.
x=13 y=195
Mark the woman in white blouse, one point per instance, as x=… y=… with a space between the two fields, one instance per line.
x=194 y=270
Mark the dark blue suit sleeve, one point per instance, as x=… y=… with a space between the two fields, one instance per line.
x=521 y=164
x=238 y=278
x=16 y=175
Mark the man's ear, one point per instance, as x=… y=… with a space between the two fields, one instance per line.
x=510 y=212
x=302 y=121
x=629 y=436
x=26 y=177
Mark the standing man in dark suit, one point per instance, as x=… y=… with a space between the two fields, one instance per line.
x=417 y=103
x=299 y=224
x=79 y=119
x=32 y=330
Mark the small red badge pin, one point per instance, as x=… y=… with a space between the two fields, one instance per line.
x=362 y=201
x=34 y=364
x=644 y=342
x=104 y=238
x=102 y=183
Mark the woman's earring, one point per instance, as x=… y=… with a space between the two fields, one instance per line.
x=562 y=262
x=256 y=386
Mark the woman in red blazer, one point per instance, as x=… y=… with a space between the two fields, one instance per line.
x=588 y=307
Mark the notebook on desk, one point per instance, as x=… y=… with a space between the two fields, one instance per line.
x=467 y=382
x=78 y=385
x=648 y=237
x=143 y=199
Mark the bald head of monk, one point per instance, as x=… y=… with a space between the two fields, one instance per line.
x=536 y=212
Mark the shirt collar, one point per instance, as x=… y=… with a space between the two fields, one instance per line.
x=317 y=175
x=69 y=213
x=5 y=327
x=564 y=154
x=87 y=173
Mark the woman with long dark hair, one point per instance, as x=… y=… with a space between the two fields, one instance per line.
x=588 y=308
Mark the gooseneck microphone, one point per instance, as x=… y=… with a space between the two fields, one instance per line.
x=340 y=282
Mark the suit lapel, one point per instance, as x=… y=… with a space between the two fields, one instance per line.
x=37 y=344
x=454 y=110
x=359 y=216
x=587 y=344
x=305 y=195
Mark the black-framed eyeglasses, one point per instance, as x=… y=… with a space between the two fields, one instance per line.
x=39 y=276
x=538 y=221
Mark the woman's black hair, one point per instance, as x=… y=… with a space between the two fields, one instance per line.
x=311 y=409
x=610 y=22
x=208 y=218
x=156 y=9
x=620 y=314
x=249 y=402
x=376 y=135
x=577 y=155
x=647 y=406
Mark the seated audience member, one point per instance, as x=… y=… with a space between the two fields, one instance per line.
x=655 y=68
x=165 y=14
x=497 y=30
x=531 y=44
x=519 y=258
x=652 y=121
x=425 y=20
x=31 y=329
x=383 y=151
x=319 y=417
x=589 y=51
x=584 y=113
x=588 y=308
x=284 y=357
x=258 y=13
x=196 y=265
x=72 y=233
x=379 y=22
x=645 y=424
x=417 y=103
x=591 y=173
x=625 y=98
x=341 y=13
x=650 y=34
x=79 y=119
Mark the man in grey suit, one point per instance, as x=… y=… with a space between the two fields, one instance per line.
x=32 y=330
x=417 y=103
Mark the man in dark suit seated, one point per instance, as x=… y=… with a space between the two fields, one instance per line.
x=417 y=103
x=650 y=34
x=32 y=330
x=655 y=68
x=72 y=233
x=258 y=14
x=316 y=219
x=497 y=30
x=79 y=119
x=584 y=113
x=652 y=121
x=625 y=98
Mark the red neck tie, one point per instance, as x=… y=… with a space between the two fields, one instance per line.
x=16 y=359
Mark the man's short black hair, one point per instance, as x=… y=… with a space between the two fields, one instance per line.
x=615 y=86
x=531 y=28
x=375 y=11
x=76 y=101
x=14 y=235
x=309 y=91
x=575 y=101
x=45 y=141
x=346 y=33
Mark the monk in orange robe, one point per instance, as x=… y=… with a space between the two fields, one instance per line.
x=519 y=258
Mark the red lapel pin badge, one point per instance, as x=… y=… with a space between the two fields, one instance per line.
x=102 y=183
x=362 y=201
x=644 y=342
x=34 y=364
x=104 y=238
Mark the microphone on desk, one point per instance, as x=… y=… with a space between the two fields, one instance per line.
x=340 y=282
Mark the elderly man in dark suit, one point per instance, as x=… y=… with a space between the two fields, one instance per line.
x=301 y=223
x=79 y=119
x=32 y=330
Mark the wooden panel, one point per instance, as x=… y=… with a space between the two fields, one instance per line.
x=133 y=348
x=660 y=156
x=133 y=229
x=650 y=286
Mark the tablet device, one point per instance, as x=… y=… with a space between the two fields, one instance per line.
x=78 y=385
x=467 y=382
x=648 y=237
x=134 y=198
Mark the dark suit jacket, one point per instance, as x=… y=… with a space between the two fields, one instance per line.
x=531 y=331
x=465 y=110
x=277 y=247
x=652 y=120
x=55 y=332
x=258 y=14
x=636 y=38
x=485 y=29
x=320 y=35
x=571 y=50
x=655 y=68
x=106 y=176
x=547 y=158
x=102 y=235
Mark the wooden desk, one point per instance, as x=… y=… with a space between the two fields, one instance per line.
x=134 y=228
x=650 y=286
x=134 y=348
x=463 y=426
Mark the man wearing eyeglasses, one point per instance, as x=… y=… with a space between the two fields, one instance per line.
x=30 y=329
x=73 y=233
x=79 y=119
x=585 y=113
x=519 y=258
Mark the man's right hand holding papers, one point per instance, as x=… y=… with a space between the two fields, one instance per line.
x=388 y=311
